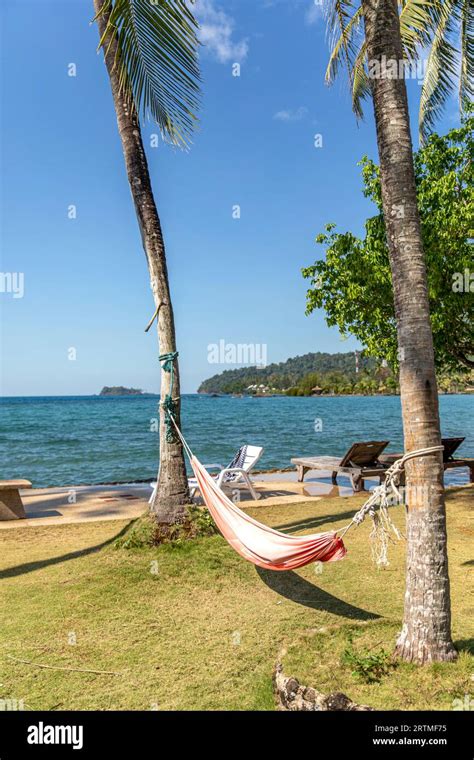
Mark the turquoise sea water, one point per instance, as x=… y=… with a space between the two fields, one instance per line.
x=56 y=441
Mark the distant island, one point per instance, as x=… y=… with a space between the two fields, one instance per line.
x=120 y=390
x=316 y=374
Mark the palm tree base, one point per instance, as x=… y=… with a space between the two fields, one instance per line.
x=414 y=647
x=170 y=508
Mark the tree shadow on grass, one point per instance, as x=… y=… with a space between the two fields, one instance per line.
x=465 y=645
x=309 y=523
x=291 y=586
x=30 y=567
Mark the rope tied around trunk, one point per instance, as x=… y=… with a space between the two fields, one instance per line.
x=377 y=505
x=169 y=403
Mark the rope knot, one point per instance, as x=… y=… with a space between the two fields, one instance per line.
x=168 y=360
x=169 y=404
x=377 y=505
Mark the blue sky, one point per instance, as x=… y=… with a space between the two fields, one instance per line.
x=86 y=285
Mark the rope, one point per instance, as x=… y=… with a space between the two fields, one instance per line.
x=383 y=526
x=169 y=404
x=183 y=440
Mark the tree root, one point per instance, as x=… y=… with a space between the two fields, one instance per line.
x=293 y=696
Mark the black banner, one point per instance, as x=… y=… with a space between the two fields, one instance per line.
x=377 y=734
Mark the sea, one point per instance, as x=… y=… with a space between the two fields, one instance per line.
x=74 y=440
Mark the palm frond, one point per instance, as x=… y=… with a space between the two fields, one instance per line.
x=466 y=80
x=360 y=82
x=424 y=25
x=157 y=61
x=415 y=20
x=343 y=28
x=441 y=68
x=345 y=23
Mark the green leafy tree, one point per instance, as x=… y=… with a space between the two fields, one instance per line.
x=353 y=283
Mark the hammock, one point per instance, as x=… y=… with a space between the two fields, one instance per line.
x=259 y=543
x=271 y=549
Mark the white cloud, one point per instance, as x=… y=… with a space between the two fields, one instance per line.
x=216 y=32
x=290 y=115
x=314 y=10
x=314 y=13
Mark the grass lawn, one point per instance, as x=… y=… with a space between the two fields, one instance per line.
x=196 y=627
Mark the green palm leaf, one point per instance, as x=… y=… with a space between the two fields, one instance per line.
x=157 y=61
x=360 y=82
x=343 y=28
x=442 y=66
x=415 y=19
x=345 y=23
x=424 y=25
x=466 y=80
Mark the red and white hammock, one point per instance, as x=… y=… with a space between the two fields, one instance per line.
x=274 y=550
x=258 y=543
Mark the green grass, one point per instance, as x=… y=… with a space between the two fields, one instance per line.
x=403 y=686
x=196 y=627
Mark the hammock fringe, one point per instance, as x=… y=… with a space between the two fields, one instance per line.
x=376 y=506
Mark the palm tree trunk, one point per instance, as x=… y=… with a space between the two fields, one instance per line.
x=426 y=631
x=172 y=492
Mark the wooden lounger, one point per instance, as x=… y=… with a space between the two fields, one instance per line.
x=449 y=463
x=361 y=461
x=450 y=446
x=11 y=505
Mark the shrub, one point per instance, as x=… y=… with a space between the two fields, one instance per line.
x=366 y=664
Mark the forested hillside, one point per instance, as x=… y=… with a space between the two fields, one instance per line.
x=286 y=375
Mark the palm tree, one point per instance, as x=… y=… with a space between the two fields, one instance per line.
x=426 y=631
x=150 y=52
x=444 y=29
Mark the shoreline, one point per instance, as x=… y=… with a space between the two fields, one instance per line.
x=216 y=394
x=148 y=481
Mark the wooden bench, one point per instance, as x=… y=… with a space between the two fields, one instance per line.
x=11 y=505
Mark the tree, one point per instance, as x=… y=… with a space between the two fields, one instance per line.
x=437 y=26
x=150 y=52
x=353 y=282
x=426 y=630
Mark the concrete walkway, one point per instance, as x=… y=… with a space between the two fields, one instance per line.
x=57 y=506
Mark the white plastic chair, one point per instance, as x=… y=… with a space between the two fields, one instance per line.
x=230 y=476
